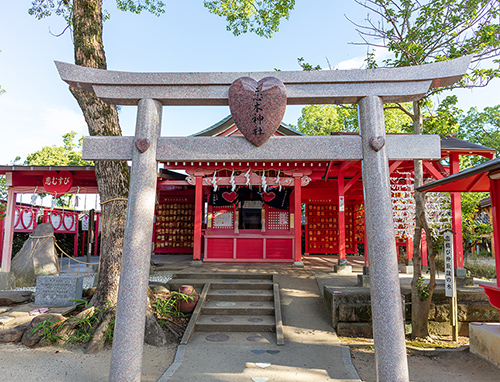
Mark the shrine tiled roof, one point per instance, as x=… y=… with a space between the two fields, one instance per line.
x=456 y=144
x=228 y=122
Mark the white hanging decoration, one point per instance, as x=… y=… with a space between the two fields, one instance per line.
x=85 y=203
x=264 y=181
x=77 y=198
x=403 y=205
x=214 y=181
x=34 y=197
x=438 y=212
x=53 y=203
x=232 y=182
x=247 y=176
x=278 y=181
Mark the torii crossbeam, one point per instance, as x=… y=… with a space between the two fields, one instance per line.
x=369 y=89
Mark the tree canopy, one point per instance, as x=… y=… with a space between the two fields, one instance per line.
x=65 y=155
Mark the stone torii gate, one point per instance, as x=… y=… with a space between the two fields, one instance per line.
x=369 y=89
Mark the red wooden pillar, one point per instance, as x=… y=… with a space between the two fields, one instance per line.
x=495 y=213
x=297 y=220
x=341 y=191
x=8 y=236
x=97 y=230
x=456 y=216
x=423 y=249
x=198 y=217
x=409 y=249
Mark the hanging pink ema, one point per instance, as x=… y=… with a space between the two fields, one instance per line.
x=57 y=183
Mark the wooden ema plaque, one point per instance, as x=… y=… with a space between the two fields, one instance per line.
x=322 y=228
x=174 y=226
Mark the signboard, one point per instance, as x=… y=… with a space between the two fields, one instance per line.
x=449 y=272
x=85 y=223
x=57 y=183
x=341 y=203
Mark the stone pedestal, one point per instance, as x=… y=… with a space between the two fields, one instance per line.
x=485 y=341
x=298 y=264
x=405 y=269
x=364 y=281
x=464 y=281
x=460 y=272
x=342 y=269
x=7 y=281
x=196 y=263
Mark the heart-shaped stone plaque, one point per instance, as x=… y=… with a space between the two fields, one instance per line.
x=377 y=143
x=257 y=108
x=142 y=144
x=262 y=365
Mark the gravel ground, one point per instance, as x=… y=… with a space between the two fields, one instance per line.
x=441 y=366
x=71 y=364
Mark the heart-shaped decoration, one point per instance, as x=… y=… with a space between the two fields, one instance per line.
x=27 y=218
x=272 y=351
x=142 y=144
x=377 y=143
x=68 y=221
x=260 y=379
x=56 y=220
x=257 y=108
x=230 y=196
x=57 y=183
x=258 y=351
x=262 y=365
x=268 y=196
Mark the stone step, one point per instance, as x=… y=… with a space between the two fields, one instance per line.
x=236 y=323
x=240 y=295
x=243 y=284
x=198 y=284
x=218 y=276
x=238 y=308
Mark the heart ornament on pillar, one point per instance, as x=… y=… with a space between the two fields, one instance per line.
x=377 y=143
x=257 y=108
x=142 y=144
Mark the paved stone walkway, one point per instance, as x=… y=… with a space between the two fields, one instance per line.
x=312 y=351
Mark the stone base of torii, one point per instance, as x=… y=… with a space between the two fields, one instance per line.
x=369 y=89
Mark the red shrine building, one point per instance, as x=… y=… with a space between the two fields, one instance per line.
x=272 y=211
x=247 y=211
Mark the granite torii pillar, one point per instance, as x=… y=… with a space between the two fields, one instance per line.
x=367 y=88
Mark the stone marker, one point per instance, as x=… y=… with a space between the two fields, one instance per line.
x=13 y=297
x=257 y=107
x=37 y=257
x=58 y=290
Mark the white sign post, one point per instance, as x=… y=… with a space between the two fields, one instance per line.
x=449 y=282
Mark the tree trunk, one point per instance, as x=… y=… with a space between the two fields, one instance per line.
x=420 y=305
x=112 y=176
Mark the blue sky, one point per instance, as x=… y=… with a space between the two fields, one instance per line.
x=38 y=107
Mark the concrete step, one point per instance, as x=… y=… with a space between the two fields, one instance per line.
x=236 y=323
x=240 y=295
x=239 y=308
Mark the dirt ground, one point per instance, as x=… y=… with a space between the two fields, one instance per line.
x=70 y=364
x=436 y=366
